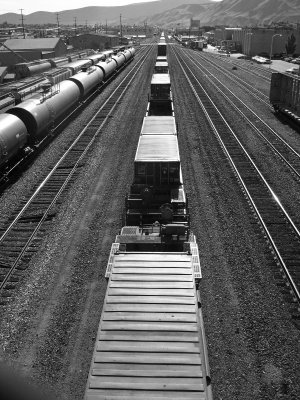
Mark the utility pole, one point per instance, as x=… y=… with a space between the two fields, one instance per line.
x=106 y=27
x=86 y=26
x=75 y=25
x=57 y=20
x=22 y=19
x=145 y=27
x=121 y=29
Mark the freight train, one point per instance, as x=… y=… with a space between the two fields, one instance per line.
x=31 y=68
x=30 y=76
x=24 y=126
x=151 y=341
x=285 y=95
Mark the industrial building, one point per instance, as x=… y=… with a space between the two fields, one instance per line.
x=19 y=50
x=96 y=41
x=257 y=40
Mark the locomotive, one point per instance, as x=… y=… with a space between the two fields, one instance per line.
x=151 y=340
x=24 y=126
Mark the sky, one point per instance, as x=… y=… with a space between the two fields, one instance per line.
x=30 y=6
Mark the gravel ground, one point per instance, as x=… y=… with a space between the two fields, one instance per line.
x=48 y=330
x=253 y=344
x=284 y=183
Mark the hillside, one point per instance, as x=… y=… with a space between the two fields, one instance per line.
x=93 y=15
x=171 y=13
x=252 y=12
x=231 y=13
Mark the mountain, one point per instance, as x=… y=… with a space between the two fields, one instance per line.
x=171 y=13
x=251 y=12
x=231 y=13
x=94 y=15
x=180 y=15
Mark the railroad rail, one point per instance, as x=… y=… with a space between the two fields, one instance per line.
x=229 y=76
x=255 y=70
x=282 y=233
x=289 y=156
x=19 y=240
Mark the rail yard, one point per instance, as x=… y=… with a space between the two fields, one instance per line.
x=240 y=168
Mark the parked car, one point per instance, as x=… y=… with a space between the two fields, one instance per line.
x=263 y=54
x=294 y=70
x=296 y=61
x=288 y=59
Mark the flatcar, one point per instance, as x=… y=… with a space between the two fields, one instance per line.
x=151 y=340
x=285 y=95
x=35 y=117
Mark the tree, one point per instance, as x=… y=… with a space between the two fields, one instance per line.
x=291 y=44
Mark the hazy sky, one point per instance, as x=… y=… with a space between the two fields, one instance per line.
x=30 y=6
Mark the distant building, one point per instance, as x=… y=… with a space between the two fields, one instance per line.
x=195 y=24
x=257 y=40
x=94 y=41
x=31 y=49
x=260 y=41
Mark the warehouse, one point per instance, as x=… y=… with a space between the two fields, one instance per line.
x=31 y=49
x=94 y=41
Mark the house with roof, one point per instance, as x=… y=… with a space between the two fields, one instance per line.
x=14 y=51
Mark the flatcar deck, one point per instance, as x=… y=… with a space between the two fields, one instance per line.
x=150 y=342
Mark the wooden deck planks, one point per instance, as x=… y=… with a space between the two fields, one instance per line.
x=143 y=347
x=104 y=394
x=148 y=341
x=151 y=308
x=151 y=278
x=152 y=285
x=151 y=370
x=149 y=316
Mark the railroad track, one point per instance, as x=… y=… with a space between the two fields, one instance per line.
x=281 y=232
x=230 y=76
x=255 y=70
x=20 y=239
x=288 y=155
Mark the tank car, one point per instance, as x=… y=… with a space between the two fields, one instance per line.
x=13 y=137
x=88 y=80
x=127 y=54
x=30 y=121
x=107 y=53
x=41 y=111
x=95 y=58
x=108 y=67
x=24 y=70
x=119 y=58
x=132 y=51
